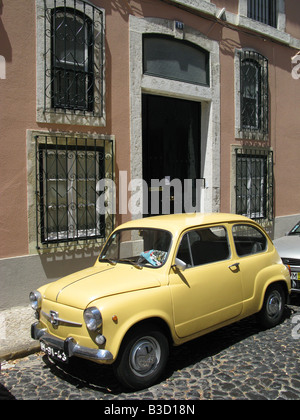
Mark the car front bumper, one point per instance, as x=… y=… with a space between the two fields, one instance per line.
x=69 y=346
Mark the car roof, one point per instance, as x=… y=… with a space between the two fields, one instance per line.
x=179 y=222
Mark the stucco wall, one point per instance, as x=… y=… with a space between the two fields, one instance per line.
x=18 y=110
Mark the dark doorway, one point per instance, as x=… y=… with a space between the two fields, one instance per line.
x=171 y=151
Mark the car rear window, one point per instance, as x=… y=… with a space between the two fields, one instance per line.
x=248 y=240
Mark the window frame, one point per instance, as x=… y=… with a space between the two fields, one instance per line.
x=95 y=115
x=255 y=249
x=254 y=209
x=260 y=129
x=38 y=141
x=72 y=204
x=63 y=70
x=187 y=234
x=247 y=97
x=244 y=184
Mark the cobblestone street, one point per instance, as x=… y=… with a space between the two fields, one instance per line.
x=237 y=362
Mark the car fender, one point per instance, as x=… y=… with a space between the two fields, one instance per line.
x=122 y=312
x=276 y=273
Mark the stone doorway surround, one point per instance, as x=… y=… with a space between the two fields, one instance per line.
x=208 y=96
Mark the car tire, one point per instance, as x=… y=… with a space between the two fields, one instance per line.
x=273 y=307
x=142 y=357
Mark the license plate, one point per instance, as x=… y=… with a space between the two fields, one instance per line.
x=295 y=278
x=54 y=353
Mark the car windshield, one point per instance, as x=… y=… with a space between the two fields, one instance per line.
x=139 y=247
x=295 y=230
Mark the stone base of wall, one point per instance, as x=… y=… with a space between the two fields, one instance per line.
x=15 y=338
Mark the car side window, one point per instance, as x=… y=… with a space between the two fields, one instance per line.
x=204 y=246
x=184 y=253
x=248 y=240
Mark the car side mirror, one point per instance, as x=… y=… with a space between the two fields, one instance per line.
x=181 y=265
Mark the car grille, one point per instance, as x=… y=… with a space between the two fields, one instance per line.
x=291 y=261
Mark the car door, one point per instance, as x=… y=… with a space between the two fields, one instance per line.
x=251 y=247
x=209 y=291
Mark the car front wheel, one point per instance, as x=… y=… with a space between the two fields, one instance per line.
x=273 y=308
x=142 y=358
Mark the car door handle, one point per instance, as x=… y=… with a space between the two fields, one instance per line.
x=234 y=267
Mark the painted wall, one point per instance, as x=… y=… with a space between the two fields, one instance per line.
x=18 y=110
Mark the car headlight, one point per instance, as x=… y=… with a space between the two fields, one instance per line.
x=35 y=299
x=92 y=318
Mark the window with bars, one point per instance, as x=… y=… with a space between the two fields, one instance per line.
x=264 y=11
x=68 y=171
x=72 y=60
x=254 y=183
x=254 y=97
x=73 y=54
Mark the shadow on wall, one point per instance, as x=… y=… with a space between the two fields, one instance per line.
x=122 y=7
x=20 y=275
x=62 y=264
x=5 y=45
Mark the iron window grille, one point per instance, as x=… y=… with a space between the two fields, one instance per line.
x=73 y=57
x=67 y=174
x=254 y=95
x=72 y=60
x=254 y=183
x=264 y=11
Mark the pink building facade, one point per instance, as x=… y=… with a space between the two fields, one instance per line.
x=101 y=101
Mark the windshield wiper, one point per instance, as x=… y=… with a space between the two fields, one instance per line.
x=135 y=264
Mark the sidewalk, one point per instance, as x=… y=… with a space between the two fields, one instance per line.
x=15 y=339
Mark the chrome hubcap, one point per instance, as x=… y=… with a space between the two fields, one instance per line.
x=145 y=356
x=274 y=304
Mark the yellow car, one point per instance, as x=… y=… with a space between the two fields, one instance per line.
x=161 y=281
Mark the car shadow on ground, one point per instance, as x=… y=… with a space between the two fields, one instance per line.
x=81 y=373
x=5 y=394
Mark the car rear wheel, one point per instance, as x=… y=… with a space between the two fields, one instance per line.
x=273 y=308
x=142 y=358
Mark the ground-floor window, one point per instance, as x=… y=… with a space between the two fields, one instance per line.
x=68 y=171
x=254 y=183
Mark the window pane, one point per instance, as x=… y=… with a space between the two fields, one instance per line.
x=184 y=251
x=211 y=245
x=251 y=93
x=70 y=39
x=248 y=240
x=174 y=59
x=57 y=211
x=145 y=247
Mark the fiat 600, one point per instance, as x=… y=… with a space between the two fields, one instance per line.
x=159 y=282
